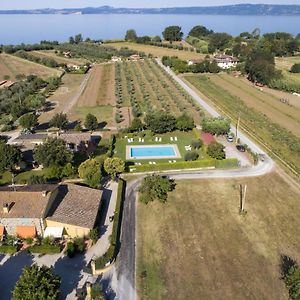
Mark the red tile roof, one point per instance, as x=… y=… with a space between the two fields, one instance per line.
x=207 y=138
x=26 y=232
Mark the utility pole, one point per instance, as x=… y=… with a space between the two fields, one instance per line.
x=243 y=191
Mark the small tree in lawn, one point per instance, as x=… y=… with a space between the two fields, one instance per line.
x=37 y=283
x=9 y=156
x=114 y=166
x=60 y=121
x=91 y=172
x=52 y=153
x=155 y=187
x=29 y=121
x=216 y=151
x=197 y=143
x=185 y=123
x=91 y=122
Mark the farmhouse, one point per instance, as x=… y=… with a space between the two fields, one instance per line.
x=40 y=210
x=226 y=61
x=82 y=142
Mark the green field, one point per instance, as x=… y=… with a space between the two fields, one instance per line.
x=198 y=246
x=276 y=138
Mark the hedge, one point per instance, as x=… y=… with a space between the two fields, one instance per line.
x=45 y=249
x=114 y=240
x=8 y=249
x=209 y=163
x=197 y=133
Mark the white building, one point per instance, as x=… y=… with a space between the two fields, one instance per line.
x=226 y=61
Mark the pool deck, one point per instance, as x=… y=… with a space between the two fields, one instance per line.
x=174 y=146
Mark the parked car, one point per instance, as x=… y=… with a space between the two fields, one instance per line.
x=241 y=148
x=230 y=138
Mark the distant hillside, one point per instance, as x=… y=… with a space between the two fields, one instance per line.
x=239 y=9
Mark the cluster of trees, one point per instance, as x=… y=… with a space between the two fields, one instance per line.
x=181 y=66
x=161 y=122
x=48 y=62
x=10 y=157
x=216 y=126
x=95 y=51
x=155 y=187
x=26 y=95
x=44 y=45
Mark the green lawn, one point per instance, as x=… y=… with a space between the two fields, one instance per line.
x=183 y=139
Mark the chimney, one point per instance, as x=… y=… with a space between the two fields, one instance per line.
x=44 y=193
x=6 y=208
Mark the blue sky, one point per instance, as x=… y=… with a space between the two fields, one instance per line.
x=28 y=4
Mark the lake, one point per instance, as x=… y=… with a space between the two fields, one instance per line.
x=18 y=29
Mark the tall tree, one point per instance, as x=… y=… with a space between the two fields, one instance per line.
x=200 y=31
x=91 y=122
x=78 y=38
x=173 y=34
x=28 y=121
x=10 y=156
x=155 y=187
x=216 y=151
x=160 y=122
x=60 y=121
x=114 y=166
x=91 y=172
x=185 y=122
x=219 y=41
x=37 y=283
x=131 y=35
x=53 y=152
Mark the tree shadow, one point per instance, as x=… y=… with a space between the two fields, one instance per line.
x=70 y=272
x=102 y=125
x=105 y=284
x=43 y=126
x=11 y=271
x=285 y=264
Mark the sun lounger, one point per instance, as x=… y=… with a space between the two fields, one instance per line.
x=159 y=140
x=174 y=161
x=170 y=161
x=156 y=139
x=154 y=163
x=175 y=138
x=171 y=139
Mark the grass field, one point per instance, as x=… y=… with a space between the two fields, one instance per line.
x=98 y=97
x=12 y=66
x=198 y=246
x=146 y=87
x=158 y=51
x=282 y=142
x=285 y=115
x=57 y=58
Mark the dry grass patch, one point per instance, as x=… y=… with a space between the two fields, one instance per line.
x=12 y=66
x=158 y=51
x=59 y=59
x=198 y=246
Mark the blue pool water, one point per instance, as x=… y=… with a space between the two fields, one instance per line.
x=138 y=152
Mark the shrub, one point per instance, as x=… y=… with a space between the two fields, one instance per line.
x=34 y=179
x=197 y=144
x=216 y=150
x=191 y=156
x=45 y=249
x=94 y=235
x=8 y=249
x=71 y=251
x=295 y=68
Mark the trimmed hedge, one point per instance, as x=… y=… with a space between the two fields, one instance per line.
x=209 y=163
x=115 y=236
x=45 y=249
x=8 y=249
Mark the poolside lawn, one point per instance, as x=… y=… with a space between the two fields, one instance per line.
x=183 y=139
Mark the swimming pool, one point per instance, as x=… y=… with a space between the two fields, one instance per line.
x=152 y=151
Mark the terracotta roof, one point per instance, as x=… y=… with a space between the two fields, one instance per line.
x=207 y=138
x=26 y=232
x=1 y=230
x=77 y=206
x=25 y=201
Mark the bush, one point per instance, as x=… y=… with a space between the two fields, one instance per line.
x=216 y=150
x=295 y=68
x=77 y=246
x=45 y=249
x=8 y=249
x=94 y=235
x=34 y=179
x=191 y=156
x=71 y=251
x=197 y=144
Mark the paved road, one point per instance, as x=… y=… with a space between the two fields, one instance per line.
x=125 y=271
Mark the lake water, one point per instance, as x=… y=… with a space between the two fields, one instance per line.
x=17 y=29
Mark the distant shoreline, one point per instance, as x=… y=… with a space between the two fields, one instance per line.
x=234 y=10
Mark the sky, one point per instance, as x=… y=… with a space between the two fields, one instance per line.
x=31 y=4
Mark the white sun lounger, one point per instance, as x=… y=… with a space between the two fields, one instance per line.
x=171 y=139
x=175 y=138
